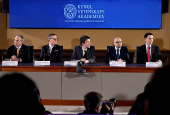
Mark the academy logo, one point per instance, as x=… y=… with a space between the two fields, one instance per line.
x=70 y=11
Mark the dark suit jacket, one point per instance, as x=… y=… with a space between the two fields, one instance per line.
x=142 y=55
x=55 y=56
x=24 y=53
x=78 y=54
x=111 y=55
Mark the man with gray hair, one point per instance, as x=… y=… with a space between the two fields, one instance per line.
x=52 y=52
x=118 y=53
x=93 y=103
x=18 y=52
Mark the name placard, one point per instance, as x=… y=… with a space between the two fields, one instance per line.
x=70 y=63
x=39 y=63
x=153 y=64
x=117 y=64
x=9 y=63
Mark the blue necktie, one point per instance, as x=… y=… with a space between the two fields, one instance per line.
x=117 y=54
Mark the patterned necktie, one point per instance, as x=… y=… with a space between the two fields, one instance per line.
x=148 y=53
x=18 y=52
x=117 y=54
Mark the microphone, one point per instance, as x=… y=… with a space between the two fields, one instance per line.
x=78 y=70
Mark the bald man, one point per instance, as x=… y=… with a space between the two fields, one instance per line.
x=118 y=53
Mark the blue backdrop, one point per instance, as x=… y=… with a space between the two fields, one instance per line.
x=144 y=14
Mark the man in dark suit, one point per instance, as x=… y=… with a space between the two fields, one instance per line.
x=85 y=52
x=52 y=52
x=18 y=52
x=118 y=53
x=148 y=52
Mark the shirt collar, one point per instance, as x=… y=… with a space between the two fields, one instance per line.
x=117 y=48
x=147 y=46
x=51 y=46
x=19 y=47
x=83 y=49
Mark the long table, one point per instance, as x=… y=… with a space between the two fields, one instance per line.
x=59 y=85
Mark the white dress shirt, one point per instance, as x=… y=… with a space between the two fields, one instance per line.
x=19 y=47
x=116 y=50
x=50 y=48
x=84 y=51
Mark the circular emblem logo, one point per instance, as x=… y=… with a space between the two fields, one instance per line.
x=70 y=11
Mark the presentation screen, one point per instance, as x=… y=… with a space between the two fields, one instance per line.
x=127 y=14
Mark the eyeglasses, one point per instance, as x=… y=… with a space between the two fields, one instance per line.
x=118 y=42
x=54 y=39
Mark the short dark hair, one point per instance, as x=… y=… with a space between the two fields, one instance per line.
x=49 y=36
x=83 y=39
x=92 y=100
x=147 y=34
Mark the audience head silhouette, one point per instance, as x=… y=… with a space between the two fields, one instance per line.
x=93 y=101
x=158 y=92
x=19 y=95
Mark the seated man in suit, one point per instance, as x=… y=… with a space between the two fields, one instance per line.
x=52 y=52
x=84 y=52
x=148 y=52
x=118 y=53
x=18 y=52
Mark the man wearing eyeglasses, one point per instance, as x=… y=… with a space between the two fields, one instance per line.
x=18 y=52
x=118 y=53
x=52 y=52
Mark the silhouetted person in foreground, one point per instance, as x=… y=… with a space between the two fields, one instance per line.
x=158 y=94
x=139 y=105
x=155 y=99
x=18 y=96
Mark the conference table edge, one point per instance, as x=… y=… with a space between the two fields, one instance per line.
x=73 y=69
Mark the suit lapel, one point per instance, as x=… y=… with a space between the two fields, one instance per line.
x=48 y=50
x=14 y=51
x=21 y=51
x=54 y=47
x=80 y=51
x=114 y=53
x=54 y=50
x=121 y=53
x=144 y=50
x=88 y=52
x=152 y=49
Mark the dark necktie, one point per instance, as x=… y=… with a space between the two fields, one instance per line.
x=85 y=54
x=117 y=54
x=148 y=53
